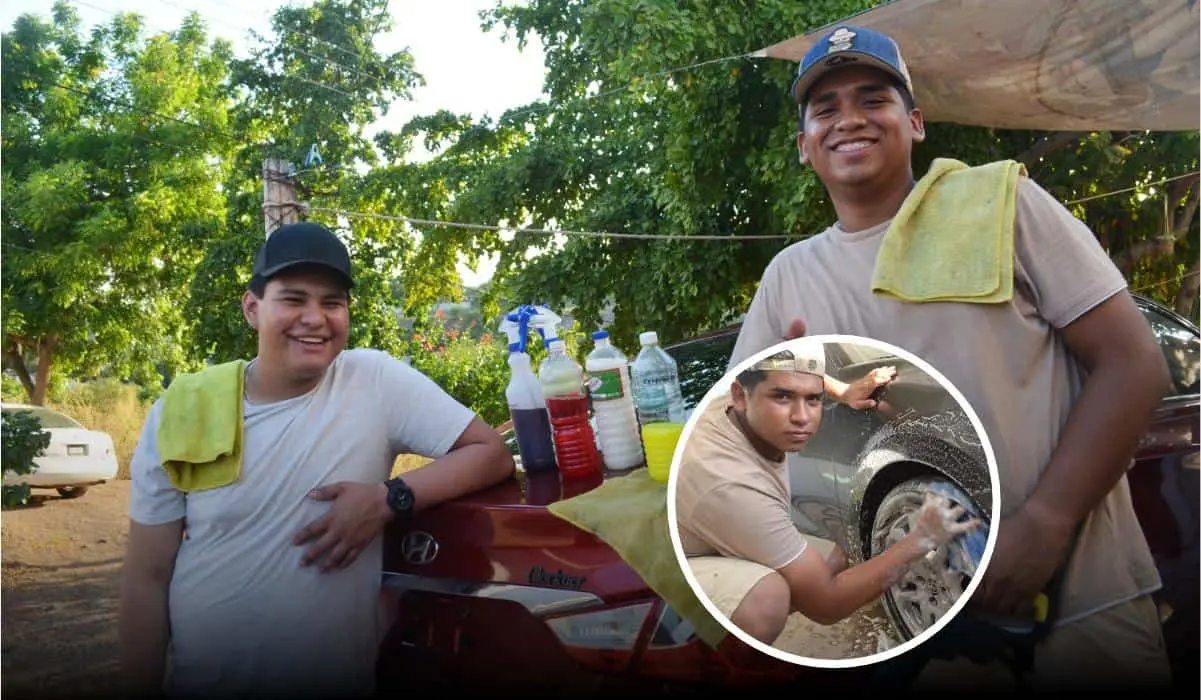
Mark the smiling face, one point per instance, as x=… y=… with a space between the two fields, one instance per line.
x=784 y=409
x=857 y=130
x=302 y=321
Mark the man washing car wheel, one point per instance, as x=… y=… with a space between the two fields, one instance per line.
x=733 y=511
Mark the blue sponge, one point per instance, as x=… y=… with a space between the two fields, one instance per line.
x=975 y=542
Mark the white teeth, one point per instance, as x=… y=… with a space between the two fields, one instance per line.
x=311 y=341
x=852 y=146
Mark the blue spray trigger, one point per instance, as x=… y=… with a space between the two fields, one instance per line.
x=967 y=559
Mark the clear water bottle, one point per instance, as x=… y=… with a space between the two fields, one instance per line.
x=656 y=382
x=609 y=384
x=562 y=381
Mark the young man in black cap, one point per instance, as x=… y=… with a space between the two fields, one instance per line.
x=1064 y=372
x=260 y=490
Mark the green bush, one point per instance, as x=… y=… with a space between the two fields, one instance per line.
x=23 y=441
x=474 y=371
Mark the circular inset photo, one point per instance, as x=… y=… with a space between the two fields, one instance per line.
x=831 y=500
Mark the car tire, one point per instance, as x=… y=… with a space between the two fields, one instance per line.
x=71 y=491
x=929 y=588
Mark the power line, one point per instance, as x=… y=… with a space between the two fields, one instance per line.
x=1131 y=189
x=641 y=236
x=565 y=232
x=284 y=76
x=1163 y=282
x=111 y=101
x=633 y=83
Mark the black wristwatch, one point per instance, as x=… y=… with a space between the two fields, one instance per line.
x=400 y=498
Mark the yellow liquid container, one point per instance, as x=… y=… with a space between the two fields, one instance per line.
x=660 y=441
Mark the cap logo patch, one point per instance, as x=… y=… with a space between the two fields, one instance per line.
x=812 y=364
x=840 y=40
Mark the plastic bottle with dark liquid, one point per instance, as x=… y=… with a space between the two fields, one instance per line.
x=562 y=380
x=527 y=408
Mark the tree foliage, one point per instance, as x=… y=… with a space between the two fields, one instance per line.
x=112 y=147
x=628 y=141
x=133 y=180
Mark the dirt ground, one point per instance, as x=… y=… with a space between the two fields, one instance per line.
x=61 y=561
x=862 y=634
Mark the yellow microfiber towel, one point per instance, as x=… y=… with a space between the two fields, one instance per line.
x=200 y=428
x=629 y=513
x=952 y=239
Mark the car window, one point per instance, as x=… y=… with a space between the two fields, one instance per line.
x=47 y=418
x=702 y=363
x=1182 y=350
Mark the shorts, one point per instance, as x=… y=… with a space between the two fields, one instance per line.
x=727 y=580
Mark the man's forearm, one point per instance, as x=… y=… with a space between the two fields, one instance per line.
x=859 y=585
x=459 y=473
x=835 y=389
x=144 y=631
x=1098 y=440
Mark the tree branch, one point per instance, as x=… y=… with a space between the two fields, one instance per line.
x=1190 y=286
x=1047 y=146
x=16 y=362
x=1182 y=222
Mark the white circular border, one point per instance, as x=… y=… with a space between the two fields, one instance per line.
x=720 y=388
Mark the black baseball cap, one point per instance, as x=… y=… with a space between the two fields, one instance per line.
x=303 y=243
x=845 y=46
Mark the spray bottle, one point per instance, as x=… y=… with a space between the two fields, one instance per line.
x=527 y=402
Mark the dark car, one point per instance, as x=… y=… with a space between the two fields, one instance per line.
x=495 y=591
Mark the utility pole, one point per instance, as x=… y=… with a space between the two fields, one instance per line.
x=280 y=205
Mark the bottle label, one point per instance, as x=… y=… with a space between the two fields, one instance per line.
x=605 y=385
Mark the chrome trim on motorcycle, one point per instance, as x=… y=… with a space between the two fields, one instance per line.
x=539 y=601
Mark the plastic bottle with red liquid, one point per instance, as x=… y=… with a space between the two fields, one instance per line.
x=562 y=380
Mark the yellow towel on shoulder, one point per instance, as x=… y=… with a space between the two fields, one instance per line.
x=952 y=239
x=200 y=429
x=629 y=513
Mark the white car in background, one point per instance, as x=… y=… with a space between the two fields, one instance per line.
x=75 y=459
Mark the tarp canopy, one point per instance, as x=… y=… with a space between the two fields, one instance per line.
x=1055 y=65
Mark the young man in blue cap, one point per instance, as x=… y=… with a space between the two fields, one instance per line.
x=260 y=490
x=1063 y=372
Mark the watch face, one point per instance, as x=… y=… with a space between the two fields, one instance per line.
x=401 y=498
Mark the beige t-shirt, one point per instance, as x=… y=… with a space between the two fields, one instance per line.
x=1007 y=360
x=731 y=500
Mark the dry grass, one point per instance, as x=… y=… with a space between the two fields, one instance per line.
x=114 y=408
x=109 y=406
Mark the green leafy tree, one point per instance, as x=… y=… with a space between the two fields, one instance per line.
x=627 y=143
x=318 y=82
x=112 y=147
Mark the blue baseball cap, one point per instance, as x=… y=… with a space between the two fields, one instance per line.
x=846 y=46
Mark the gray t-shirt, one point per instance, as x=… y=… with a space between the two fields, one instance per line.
x=731 y=500
x=1008 y=360
x=246 y=618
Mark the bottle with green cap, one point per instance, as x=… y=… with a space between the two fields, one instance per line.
x=608 y=371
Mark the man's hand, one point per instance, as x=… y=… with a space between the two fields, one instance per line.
x=357 y=515
x=858 y=394
x=937 y=523
x=1031 y=546
x=796 y=329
